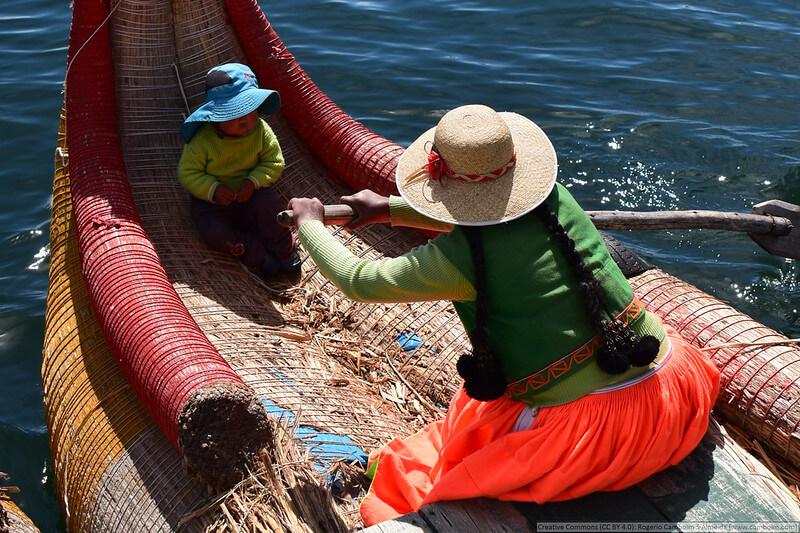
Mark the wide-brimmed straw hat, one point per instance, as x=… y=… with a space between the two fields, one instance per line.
x=478 y=167
x=231 y=92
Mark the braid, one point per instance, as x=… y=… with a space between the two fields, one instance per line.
x=622 y=346
x=589 y=287
x=483 y=377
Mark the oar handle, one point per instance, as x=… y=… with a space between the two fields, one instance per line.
x=335 y=215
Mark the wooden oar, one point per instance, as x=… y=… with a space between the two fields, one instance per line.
x=774 y=225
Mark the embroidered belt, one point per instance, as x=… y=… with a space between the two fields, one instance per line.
x=569 y=364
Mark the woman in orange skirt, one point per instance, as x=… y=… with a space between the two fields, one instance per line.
x=572 y=386
x=606 y=440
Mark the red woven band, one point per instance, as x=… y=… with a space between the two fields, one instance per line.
x=437 y=169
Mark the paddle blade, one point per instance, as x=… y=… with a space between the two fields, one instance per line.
x=788 y=244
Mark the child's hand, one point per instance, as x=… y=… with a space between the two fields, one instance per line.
x=245 y=191
x=223 y=195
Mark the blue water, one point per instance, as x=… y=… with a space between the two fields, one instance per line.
x=651 y=105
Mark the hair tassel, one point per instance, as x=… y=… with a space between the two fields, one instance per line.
x=613 y=356
x=483 y=375
x=483 y=378
x=644 y=351
x=624 y=348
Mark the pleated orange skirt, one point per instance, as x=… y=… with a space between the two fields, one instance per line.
x=600 y=442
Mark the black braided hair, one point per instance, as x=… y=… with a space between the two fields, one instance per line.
x=483 y=376
x=623 y=347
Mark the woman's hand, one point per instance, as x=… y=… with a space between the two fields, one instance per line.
x=306 y=209
x=370 y=208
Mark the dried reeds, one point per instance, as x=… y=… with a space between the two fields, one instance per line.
x=786 y=473
x=298 y=343
x=285 y=493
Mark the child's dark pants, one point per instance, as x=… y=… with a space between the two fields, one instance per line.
x=248 y=231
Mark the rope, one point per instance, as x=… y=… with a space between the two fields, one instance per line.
x=180 y=86
x=91 y=36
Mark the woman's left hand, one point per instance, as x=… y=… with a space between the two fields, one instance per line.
x=306 y=209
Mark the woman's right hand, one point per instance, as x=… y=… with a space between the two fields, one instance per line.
x=370 y=208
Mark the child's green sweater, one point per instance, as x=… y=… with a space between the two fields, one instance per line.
x=211 y=159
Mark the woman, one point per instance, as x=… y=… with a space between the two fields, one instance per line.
x=572 y=386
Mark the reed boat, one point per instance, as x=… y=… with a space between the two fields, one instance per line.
x=12 y=518
x=184 y=393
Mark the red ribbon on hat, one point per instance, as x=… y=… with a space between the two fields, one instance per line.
x=437 y=169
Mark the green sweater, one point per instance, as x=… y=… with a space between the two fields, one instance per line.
x=211 y=159
x=536 y=317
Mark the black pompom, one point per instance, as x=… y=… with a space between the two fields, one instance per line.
x=613 y=357
x=467 y=368
x=644 y=351
x=612 y=360
x=483 y=378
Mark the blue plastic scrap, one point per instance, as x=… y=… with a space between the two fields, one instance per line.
x=409 y=341
x=328 y=447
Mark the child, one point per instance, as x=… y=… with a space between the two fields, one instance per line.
x=230 y=160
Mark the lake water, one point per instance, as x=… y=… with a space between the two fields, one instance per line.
x=650 y=105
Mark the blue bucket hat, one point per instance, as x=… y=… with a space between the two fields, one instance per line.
x=231 y=92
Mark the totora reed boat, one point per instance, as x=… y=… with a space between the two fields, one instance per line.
x=184 y=393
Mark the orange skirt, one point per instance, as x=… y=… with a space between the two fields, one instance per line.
x=600 y=442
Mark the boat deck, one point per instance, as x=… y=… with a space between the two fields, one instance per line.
x=717 y=487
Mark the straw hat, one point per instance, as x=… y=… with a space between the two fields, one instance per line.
x=231 y=92
x=478 y=167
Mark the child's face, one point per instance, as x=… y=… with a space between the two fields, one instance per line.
x=239 y=126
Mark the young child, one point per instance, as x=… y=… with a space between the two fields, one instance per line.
x=230 y=160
